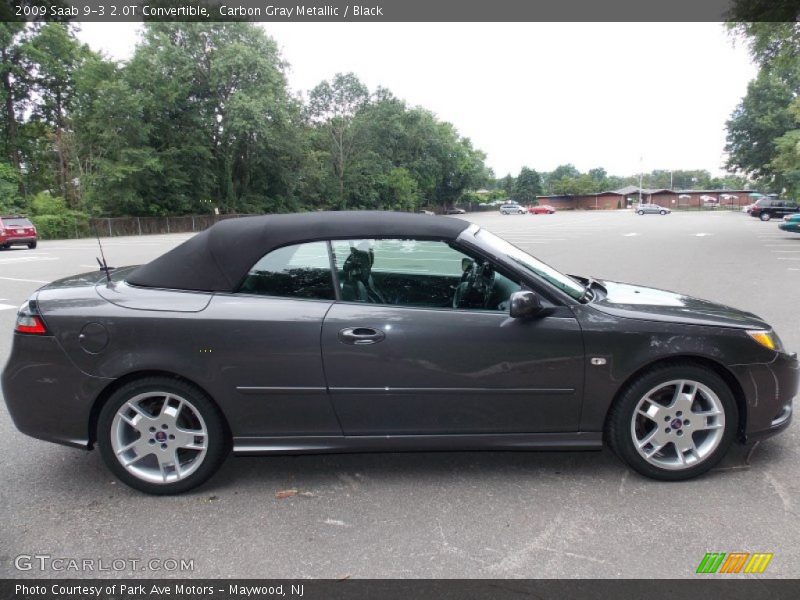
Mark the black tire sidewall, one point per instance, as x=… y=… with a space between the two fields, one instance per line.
x=619 y=420
x=218 y=442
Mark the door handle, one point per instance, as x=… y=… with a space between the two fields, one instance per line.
x=360 y=336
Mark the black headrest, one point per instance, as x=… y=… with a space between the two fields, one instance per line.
x=358 y=265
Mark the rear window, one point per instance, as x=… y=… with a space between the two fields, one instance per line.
x=299 y=271
x=16 y=222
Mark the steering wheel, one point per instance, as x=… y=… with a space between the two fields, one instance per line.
x=476 y=285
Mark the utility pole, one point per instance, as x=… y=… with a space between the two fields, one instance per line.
x=640 y=178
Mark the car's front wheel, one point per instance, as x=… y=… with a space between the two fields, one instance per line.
x=673 y=422
x=663 y=212
x=765 y=216
x=161 y=435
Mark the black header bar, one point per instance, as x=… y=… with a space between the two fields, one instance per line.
x=373 y=11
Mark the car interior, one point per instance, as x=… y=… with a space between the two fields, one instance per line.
x=411 y=273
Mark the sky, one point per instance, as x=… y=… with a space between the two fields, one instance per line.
x=623 y=96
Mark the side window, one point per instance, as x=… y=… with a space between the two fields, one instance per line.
x=418 y=273
x=299 y=271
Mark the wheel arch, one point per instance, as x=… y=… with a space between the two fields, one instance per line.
x=112 y=387
x=703 y=361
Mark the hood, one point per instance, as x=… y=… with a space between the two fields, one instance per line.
x=651 y=304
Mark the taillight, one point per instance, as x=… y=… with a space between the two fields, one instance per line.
x=29 y=320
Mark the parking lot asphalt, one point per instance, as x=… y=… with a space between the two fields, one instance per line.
x=427 y=514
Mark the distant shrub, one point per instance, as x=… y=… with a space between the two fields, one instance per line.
x=45 y=204
x=68 y=224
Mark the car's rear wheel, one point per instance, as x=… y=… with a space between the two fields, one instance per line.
x=673 y=422
x=161 y=435
x=32 y=245
x=641 y=212
x=765 y=216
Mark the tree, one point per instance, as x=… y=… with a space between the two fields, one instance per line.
x=9 y=183
x=56 y=55
x=786 y=163
x=333 y=105
x=761 y=118
x=14 y=87
x=507 y=185
x=401 y=192
x=221 y=122
x=527 y=186
x=764 y=116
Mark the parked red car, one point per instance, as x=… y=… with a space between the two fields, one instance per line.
x=541 y=209
x=17 y=231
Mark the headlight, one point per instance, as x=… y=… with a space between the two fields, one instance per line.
x=768 y=339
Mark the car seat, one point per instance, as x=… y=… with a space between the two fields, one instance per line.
x=357 y=282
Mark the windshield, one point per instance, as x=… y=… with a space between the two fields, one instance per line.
x=525 y=260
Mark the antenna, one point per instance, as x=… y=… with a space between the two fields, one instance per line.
x=103 y=264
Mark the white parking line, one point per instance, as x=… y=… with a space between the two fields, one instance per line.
x=5 y=306
x=786 y=258
x=25 y=280
x=27 y=259
x=629 y=234
x=702 y=234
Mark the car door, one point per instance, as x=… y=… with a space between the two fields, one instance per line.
x=404 y=361
x=265 y=344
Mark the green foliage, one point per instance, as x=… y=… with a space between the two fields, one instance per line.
x=68 y=224
x=786 y=161
x=760 y=130
x=527 y=186
x=10 y=201
x=45 y=204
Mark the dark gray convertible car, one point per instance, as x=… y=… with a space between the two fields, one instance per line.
x=364 y=331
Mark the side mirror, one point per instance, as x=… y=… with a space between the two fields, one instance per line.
x=524 y=304
x=466 y=264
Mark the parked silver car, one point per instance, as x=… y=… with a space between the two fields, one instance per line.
x=513 y=209
x=642 y=209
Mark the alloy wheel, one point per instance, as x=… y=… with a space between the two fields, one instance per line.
x=159 y=437
x=678 y=424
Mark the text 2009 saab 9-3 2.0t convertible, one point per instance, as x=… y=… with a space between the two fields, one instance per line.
x=361 y=331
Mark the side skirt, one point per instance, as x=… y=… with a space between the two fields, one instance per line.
x=249 y=446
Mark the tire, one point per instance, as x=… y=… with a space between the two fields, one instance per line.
x=32 y=246
x=640 y=212
x=765 y=216
x=156 y=466
x=628 y=430
x=663 y=212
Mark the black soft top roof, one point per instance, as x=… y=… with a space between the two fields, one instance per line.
x=218 y=259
